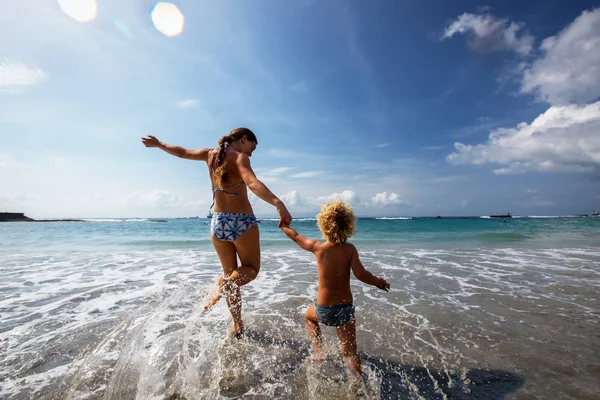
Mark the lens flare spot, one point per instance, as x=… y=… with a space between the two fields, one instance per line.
x=79 y=10
x=121 y=27
x=167 y=19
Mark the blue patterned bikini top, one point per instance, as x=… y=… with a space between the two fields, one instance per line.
x=223 y=189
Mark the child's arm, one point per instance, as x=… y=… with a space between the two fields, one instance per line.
x=362 y=274
x=304 y=242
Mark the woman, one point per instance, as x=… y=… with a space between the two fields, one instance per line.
x=233 y=226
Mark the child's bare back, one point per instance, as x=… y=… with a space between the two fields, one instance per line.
x=333 y=266
x=334 y=263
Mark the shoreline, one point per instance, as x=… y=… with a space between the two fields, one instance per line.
x=21 y=217
x=126 y=219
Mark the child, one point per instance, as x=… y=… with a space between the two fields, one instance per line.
x=335 y=258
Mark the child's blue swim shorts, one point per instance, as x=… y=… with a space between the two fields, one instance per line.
x=336 y=315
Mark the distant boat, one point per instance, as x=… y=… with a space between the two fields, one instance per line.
x=507 y=215
x=595 y=213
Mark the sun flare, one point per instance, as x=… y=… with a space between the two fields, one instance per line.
x=79 y=10
x=167 y=19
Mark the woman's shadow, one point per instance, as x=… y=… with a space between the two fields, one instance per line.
x=402 y=381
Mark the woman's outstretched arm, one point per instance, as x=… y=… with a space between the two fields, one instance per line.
x=261 y=190
x=177 y=151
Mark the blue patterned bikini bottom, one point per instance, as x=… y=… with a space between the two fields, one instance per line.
x=230 y=226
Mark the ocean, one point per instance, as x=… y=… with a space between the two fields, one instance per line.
x=479 y=308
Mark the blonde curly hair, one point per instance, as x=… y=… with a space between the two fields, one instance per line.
x=336 y=221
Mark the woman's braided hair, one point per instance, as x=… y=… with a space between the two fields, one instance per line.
x=235 y=134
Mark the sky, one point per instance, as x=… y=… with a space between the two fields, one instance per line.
x=400 y=108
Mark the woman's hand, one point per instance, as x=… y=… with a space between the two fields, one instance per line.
x=285 y=218
x=150 y=141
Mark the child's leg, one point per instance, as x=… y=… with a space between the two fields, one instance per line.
x=347 y=335
x=314 y=331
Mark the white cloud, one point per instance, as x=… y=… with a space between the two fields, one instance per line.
x=271 y=175
x=488 y=33
x=17 y=199
x=564 y=138
x=385 y=200
x=383 y=145
x=187 y=104
x=294 y=199
x=450 y=178
x=308 y=174
x=347 y=196
x=155 y=199
x=7 y=161
x=278 y=170
x=531 y=190
x=16 y=76
x=269 y=179
x=255 y=200
x=569 y=70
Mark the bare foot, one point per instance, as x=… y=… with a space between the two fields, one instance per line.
x=218 y=294
x=357 y=384
x=237 y=332
x=224 y=287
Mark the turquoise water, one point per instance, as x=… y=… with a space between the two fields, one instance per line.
x=478 y=308
x=371 y=232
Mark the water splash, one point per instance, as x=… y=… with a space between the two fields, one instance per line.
x=172 y=349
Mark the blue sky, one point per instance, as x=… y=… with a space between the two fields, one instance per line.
x=398 y=107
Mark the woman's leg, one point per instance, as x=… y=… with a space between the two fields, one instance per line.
x=347 y=336
x=247 y=247
x=227 y=255
x=314 y=331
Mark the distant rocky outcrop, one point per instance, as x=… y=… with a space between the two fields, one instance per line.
x=10 y=217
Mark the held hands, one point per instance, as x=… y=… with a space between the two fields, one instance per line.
x=285 y=218
x=383 y=285
x=150 y=141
